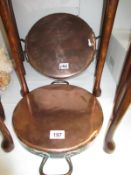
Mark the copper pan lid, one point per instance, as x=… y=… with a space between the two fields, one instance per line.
x=46 y=112
x=60 y=45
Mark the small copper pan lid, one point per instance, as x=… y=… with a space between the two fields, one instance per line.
x=60 y=45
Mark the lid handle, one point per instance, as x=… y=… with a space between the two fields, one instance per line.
x=60 y=82
x=45 y=159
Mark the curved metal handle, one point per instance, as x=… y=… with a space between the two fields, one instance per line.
x=45 y=159
x=98 y=37
x=24 y=49
x=60 y=82
x=22 y=40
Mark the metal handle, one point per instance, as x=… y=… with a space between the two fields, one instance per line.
x=22 y=40
x=98 y=37
x=60 y=82
x=45 y=159
x=24 y=50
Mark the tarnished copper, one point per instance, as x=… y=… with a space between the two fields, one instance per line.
x=60 y=45
x=57 y=107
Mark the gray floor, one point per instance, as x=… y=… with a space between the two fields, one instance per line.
x=92 y=161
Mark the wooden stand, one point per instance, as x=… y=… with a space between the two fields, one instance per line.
x=8 y=19
x=121 y=102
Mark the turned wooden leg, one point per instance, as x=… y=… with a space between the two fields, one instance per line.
x=108 y=20
x=2 y=114
x=7 y=143
x=17 y=34
x=117 y=115
x=125 y=72
x=6 y=12
x=8 y=19
x=121 y=102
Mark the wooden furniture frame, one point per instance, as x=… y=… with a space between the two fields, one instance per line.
x=8 y=19
x=121 y=102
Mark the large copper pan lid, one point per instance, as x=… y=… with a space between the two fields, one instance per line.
x=60 y=45
x=57 y=119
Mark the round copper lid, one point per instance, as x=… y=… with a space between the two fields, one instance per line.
x=60 y=45
x=57 y=118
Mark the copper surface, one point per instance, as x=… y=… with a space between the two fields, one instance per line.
x=57 y=107
x=60 y=38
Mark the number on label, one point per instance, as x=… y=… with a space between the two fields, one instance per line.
x=57 y=134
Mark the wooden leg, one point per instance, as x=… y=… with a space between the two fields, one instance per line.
x=17 y=34
x=2 y=114
x=7 y=17
x=108 y=20
x=121 y=102
x=125 y=72
x=117 y=115
x=7 y=143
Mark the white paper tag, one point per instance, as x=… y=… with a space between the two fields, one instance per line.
x=64 y=66
x=57 y=134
